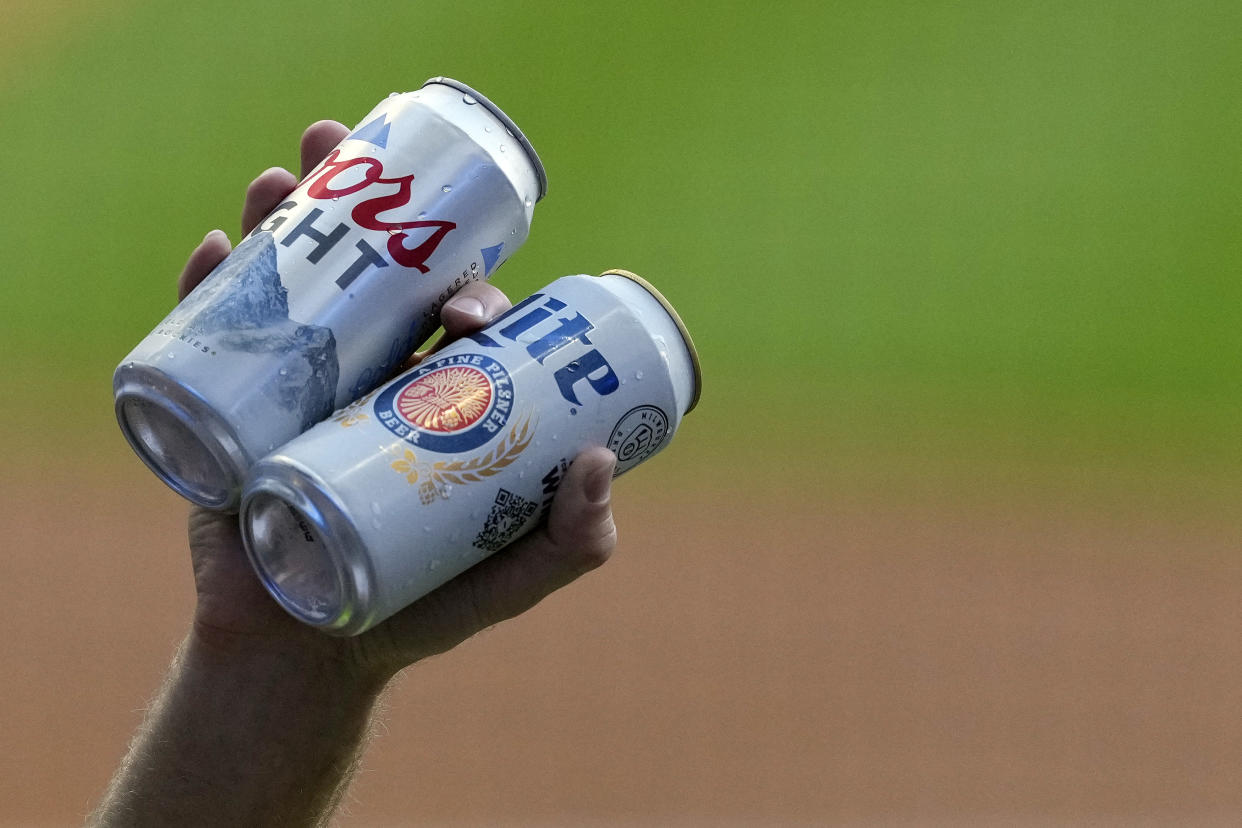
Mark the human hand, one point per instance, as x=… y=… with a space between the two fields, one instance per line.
x=235 y=613
x=262 y=717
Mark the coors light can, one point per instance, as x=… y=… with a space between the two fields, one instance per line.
x=418 y=481
x=324 y=299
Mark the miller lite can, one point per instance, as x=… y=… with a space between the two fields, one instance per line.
x=332 y=290
x=421 y=479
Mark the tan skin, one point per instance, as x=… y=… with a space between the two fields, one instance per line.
x=262 y=718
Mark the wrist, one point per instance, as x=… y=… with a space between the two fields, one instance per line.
x=305 y=658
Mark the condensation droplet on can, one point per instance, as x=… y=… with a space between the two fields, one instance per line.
x=638 y=375
x=573 y=366
x=502 y=147
x=528 y=201
x=487 y=129
x=375 y=507
x=522 y=473
x=447 y=188
x=271 y=446
x=394 y=232
x=376 y=522
x=513 y=232
x=433 y=565
x=467 y=99
x=284 y=372
x=427 y=529
x=422 y=215
x=171 y=356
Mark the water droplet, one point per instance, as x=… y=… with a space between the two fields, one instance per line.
x=433 y=565
x=393 y=94
x=447 y=188
x=509 y=132
x=556 y=437
x=573 y=367
x=638 y=375
x=336 y=198
x=394 y=232
x=375 y=508
x=487 y=129
x=573 y=411
x=467 y=99
x=271 y=446
x=446 y=490
x=502 y=147
x=522 y=473
x=422 y=215
x=172 y=356
x=284 y=371
x=376 y=522
x=528 y=201
x=513 y=232
x=427 y=529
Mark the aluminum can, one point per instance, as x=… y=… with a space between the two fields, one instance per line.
x=323 y=300
x=428 y=475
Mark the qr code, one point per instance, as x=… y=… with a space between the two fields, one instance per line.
x=509 y=514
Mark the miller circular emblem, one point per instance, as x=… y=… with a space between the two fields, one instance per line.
x=638 y=435
x=450 y=404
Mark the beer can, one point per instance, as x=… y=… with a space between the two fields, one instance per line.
x=435 y=188
x=416 y=482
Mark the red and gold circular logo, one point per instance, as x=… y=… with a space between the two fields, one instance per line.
x=446 y=400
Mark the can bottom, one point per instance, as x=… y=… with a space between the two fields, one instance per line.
x=305 y=550
x=292 y=560
x=179 y=437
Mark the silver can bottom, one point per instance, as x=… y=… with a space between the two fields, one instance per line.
x=306 y=551
x=179 y=437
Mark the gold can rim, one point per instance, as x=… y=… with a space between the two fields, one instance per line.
x=681 y=328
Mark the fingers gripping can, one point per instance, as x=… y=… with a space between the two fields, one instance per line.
x=434 y=189
x=415 y=483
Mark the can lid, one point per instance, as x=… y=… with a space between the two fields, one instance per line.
x=518 y=135
x=681 y=328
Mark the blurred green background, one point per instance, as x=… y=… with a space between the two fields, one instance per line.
x=958 y=242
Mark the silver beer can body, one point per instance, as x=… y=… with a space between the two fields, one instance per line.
x=413 y=484
x=323 y=300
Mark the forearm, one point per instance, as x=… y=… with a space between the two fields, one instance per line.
x=245 y=737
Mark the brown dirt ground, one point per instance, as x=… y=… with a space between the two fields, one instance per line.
x=743 y=660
